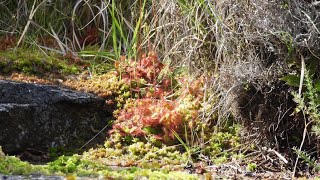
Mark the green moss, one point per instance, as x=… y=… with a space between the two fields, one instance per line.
x=31 y=61
x=223 y=144
x=149 y=174
x=137 y=153
x=68 y=164
x=220 y=160
x=77 y=165
x=11 y=165
x=251 y=167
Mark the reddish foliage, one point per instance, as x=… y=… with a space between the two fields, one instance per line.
x=152 y=114
x=91 y=37
x=147 y=68
x=72 y=58
x=47 y=41
x=7 y=42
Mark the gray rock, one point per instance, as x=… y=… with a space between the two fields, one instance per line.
x=39 y=117
x=31 y=177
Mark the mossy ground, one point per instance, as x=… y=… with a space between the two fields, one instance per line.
x=73 y=166
x=35 y=62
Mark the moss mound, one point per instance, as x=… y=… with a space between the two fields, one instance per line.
x=35 y=62
x=76 y=165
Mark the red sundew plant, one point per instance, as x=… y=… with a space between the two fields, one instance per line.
x=147 y=68
x=152 y=113
x=144 y=73
x=144 y=116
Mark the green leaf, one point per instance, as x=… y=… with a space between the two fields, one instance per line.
x=137 y=30
x=291 y=80
x=152 y=130
x=108 y=55
x=317 y=86
x=312 y=66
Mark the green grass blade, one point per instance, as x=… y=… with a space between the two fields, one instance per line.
x=136 y=30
